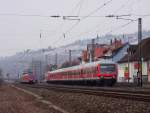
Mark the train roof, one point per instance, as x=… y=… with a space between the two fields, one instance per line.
x=83 y=66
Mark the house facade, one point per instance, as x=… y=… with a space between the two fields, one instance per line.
x=127 y=72
x=128 y=66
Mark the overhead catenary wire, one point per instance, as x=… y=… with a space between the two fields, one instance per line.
x=97 y=9
x=82 y=16
x=28 y=15
x=69 y=16
x=130 y=14
x=122 y=6
x=80 y=7
x=140 y=15
x=117 y=28
x=89 y=14
x=62 y=24
x=103 y=16
x=63 y=35
x=120 y=27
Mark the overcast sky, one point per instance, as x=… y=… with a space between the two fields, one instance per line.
x=21 y=21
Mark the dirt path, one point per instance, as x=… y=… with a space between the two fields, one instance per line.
x=14 y=101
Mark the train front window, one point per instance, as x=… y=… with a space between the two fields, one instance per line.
x=107 y=68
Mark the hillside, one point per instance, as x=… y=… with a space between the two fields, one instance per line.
x=17 y=63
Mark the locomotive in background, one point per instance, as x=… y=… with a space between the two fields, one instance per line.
x=95 y=73
x=28 y=77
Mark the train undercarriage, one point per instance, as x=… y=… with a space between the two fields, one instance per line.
x=96 y=82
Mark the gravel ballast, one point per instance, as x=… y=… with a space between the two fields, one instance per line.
x=83 y=103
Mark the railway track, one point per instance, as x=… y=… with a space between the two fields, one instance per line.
x=135 y=95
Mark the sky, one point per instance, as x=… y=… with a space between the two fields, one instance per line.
x=27 y=24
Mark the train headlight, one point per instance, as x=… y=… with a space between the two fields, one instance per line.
x=113 y=76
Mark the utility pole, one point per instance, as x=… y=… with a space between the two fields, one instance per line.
x=70 y=62
x=46 y=59
x=41 y=76
x=128 y=51
x=92 y=51
x=140 y=82
x=56 y=59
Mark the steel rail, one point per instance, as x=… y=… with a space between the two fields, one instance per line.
x=125 y=94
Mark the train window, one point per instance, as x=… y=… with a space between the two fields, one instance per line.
x=107 y=68
x=87 y=70
x=84 y=71
x=75 y=72
x=71 y=72
x=91 y=70
x=79 y=72
x=94 y=70
x=67 y=73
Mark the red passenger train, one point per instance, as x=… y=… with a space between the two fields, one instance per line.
x=28 y=78
x=95 y=73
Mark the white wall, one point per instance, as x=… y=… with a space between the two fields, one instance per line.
x=132 y=71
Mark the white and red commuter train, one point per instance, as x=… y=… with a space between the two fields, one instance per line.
x=95 y=73
x=28 y=78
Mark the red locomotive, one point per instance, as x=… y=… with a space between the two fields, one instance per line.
x=27 y=77
x=91 y=73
